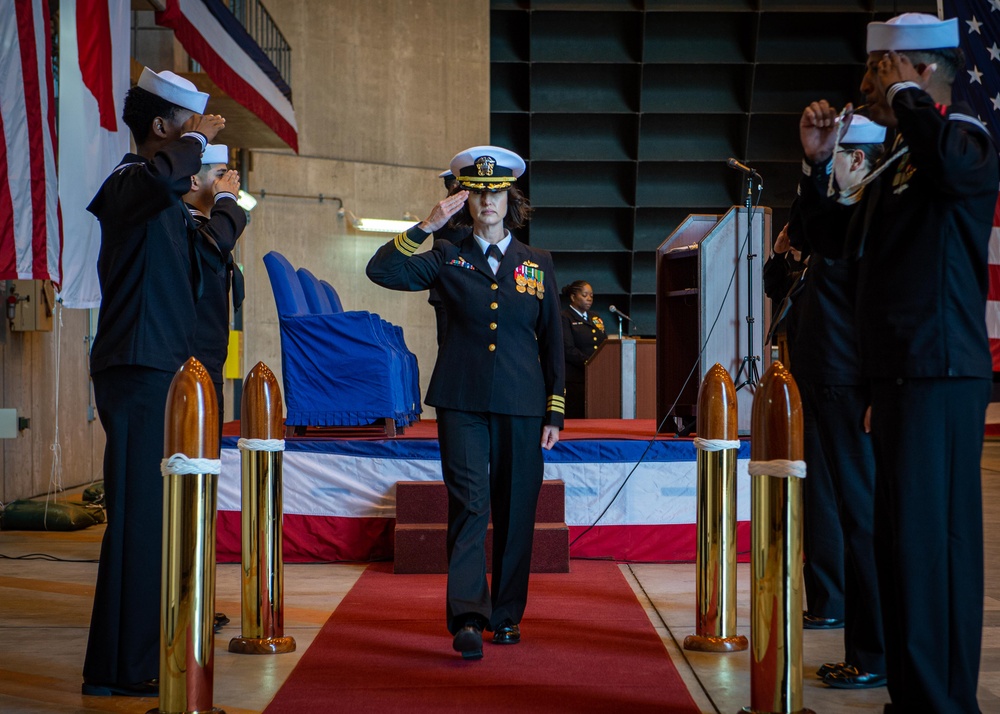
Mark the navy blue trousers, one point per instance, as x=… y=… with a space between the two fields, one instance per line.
x=848 y=461
x=489 y=462
x=928 y=439
x=124 y=643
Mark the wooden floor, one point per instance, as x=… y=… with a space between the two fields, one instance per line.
x=45 y=611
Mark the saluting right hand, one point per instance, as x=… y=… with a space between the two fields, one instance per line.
x=818 y=129
x=208 y=125
x=228 y=182
x=444 y=210
x=781 y=243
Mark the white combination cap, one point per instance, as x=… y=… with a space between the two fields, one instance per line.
x=863 y=131
x=174 y=88
x=487 y=168
x=912 y=31
x=217 y=154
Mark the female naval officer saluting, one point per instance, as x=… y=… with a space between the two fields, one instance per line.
x=497 y=386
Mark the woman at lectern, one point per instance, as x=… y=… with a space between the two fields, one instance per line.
x=583 y=332
x=497 y=386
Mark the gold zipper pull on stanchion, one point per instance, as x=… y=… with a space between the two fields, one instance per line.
x=776 y=473
x=261 y=446
x=718 y=445
x=187 y=593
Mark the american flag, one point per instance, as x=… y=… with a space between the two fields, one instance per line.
x=30 y=225
x=979 y=87
x=93 y=80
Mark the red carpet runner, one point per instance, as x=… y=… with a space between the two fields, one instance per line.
x=588 y=647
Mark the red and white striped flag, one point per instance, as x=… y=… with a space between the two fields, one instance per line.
x=993 y=296
x=30 y=224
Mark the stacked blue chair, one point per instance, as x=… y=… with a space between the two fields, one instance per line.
x=334 y=297
x=338 y=368
x=323 y=299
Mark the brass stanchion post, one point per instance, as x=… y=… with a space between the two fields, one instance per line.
x=190 y=491
x=776 y=470
x=715 y=590
x=261 y=446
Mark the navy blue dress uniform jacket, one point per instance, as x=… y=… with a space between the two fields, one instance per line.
x=503 y=350
x=921 y=231
x=581 y=338
x=147 y=316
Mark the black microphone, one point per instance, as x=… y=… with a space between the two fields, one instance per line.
x=613 y=310
x=734 y=164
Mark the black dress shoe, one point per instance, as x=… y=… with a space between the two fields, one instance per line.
x=830 y=667
x=507 y=634
x=851 y=678
x=220 y=620
x=469 y=641
x=811 y=622
x=149 y=688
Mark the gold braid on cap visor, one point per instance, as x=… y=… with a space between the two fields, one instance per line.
x=475 y=183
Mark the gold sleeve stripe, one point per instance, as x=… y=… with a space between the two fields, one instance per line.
x=556 y=404
x=405 y=246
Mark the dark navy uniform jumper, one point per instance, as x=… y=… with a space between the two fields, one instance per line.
x=145 y=332
x=921 y=231
x=497 y=381
x=214 y=242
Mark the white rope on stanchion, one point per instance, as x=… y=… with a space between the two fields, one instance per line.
x=715 y=444
x=182 y=465
x=261 y=444
x=55 y=475
x=781 y=468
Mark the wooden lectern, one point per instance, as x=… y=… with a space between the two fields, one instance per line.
x=710 y=295
x=620 y=380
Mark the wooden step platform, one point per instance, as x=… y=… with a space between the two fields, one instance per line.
x=422 y=526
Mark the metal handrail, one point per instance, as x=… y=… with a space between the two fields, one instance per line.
x=258 y=22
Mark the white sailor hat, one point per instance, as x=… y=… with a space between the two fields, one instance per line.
x=863 y=130
x=445 y=174
x=215 y=154
x=173 y=88
x=487 y=168
x=912 y=31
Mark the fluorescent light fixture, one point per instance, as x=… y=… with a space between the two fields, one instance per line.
x=379 y=225
x=246 y=201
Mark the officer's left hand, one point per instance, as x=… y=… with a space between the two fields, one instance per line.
x=550 y=435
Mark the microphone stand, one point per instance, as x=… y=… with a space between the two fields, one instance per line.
x=619 y=325
x=749 y=363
